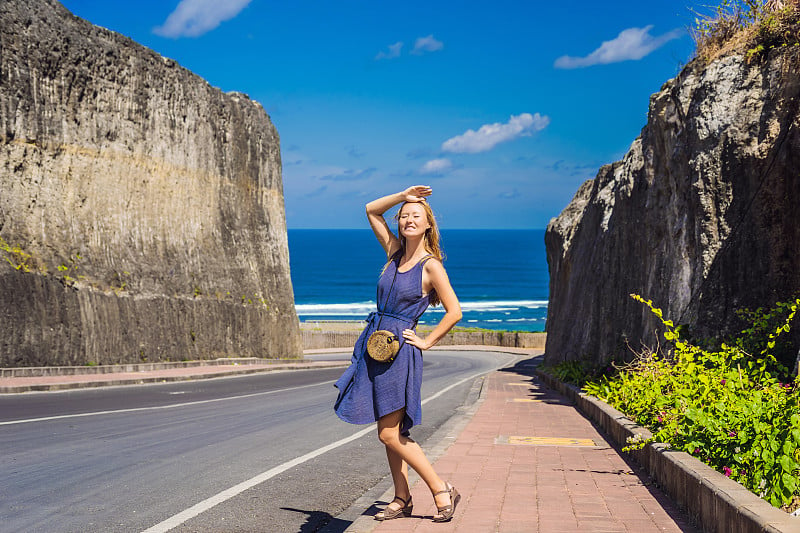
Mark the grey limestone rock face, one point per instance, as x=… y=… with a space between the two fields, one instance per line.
x=700 y=216
x=141 y=209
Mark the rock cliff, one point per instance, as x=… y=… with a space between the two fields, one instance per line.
x=701 y=215
x=141 y=209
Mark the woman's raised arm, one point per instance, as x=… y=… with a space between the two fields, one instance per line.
x=376 y=209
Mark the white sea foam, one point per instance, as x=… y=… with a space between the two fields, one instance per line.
x=496 y=307
x=358 y=308
x=507 y=305
x=364 y=308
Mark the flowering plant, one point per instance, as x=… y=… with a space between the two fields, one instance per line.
x=726 y=407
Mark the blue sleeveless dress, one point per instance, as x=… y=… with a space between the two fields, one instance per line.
x=368 y=389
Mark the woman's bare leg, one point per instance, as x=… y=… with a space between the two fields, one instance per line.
x=410 y=454
x=399 y=469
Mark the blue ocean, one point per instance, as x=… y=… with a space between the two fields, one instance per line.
x=500 y=276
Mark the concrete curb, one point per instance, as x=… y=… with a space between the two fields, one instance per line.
x=125 y=377
x=38 y=371
x=171 y=371
x=712 y=500
x=41 y=371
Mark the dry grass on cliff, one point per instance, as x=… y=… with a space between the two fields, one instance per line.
x=750 y=27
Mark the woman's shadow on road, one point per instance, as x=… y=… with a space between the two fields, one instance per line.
x=318 y=520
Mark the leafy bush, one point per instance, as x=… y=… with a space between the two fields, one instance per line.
x=758 y=326
x=727 y=407
x=580 y=372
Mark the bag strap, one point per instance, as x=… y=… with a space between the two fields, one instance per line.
x=386 y=302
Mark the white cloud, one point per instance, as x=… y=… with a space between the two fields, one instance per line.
x=193 y=18
x=350 y=174
x=490 y=135
x=630 y=44
x=394 y=51
x=436 y=166
x=421 y=46
x=426 y=44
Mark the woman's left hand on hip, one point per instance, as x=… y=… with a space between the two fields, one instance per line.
x=412 y=339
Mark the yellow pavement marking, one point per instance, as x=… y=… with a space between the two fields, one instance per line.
x=550 y=441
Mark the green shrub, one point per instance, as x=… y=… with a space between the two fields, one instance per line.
x=756 y=336
x=580 y=372
x=727 y=407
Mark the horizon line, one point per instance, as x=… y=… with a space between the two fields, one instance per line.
x=440 y=229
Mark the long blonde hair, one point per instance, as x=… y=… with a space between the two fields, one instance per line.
x=431 y=240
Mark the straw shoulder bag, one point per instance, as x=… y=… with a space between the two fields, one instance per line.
x=383 y=346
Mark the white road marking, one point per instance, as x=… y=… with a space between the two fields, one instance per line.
x=158 y=407
x=205 y=505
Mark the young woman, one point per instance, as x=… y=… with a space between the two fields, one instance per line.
x=412 y=279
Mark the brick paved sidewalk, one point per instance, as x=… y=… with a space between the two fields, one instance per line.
x=528 y=461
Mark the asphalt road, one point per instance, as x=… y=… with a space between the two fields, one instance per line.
x=261 y=452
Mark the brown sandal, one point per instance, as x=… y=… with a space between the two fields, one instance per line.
x=447 y=511
x=389 y=514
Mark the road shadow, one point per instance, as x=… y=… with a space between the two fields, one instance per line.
x=537 y=391
x=317 y=520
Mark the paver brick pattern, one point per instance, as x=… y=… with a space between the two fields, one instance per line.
x=532 y=488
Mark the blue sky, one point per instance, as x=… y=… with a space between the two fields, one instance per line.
x=503 y=108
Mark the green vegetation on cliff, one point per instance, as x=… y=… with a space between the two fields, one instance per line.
x=751 y=26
